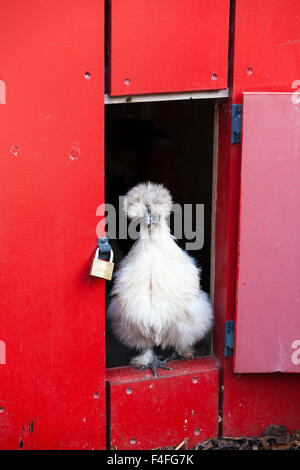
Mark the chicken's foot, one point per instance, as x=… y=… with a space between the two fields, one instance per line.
x=155 y=364
x=174 y=357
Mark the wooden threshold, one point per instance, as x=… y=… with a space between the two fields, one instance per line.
x=193 y=95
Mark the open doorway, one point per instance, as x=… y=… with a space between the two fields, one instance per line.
x=167 y=142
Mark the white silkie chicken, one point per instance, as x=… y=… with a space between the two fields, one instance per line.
x=156 y=296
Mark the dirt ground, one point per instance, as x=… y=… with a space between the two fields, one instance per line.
x=274 y=437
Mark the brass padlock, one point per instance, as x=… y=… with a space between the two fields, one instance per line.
x=101 y=267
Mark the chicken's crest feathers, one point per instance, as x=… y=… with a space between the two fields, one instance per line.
x=147 y=195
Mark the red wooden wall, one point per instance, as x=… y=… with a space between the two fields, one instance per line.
x=265 y=56
x=181 y=405
x=156 y=47
x=52 y=180
x=169 y=46
x=52 y=393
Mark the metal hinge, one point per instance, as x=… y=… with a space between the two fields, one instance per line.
x=229 y=338
x=236 y=123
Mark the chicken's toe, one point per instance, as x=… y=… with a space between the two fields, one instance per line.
x=174 y=357
x=155 y=364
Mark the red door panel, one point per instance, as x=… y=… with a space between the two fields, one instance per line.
x=52 y=393
x=168 y=46
x=268 y=286
x=150 y=413
x=266 y=54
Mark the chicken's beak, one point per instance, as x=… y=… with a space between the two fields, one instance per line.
x=148 y=217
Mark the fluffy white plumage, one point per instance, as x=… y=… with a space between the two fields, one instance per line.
x=156 y=296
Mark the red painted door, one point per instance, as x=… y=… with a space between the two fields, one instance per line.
x=52 y=393
x=150 y=413
x=268 y=285
x=168 y=46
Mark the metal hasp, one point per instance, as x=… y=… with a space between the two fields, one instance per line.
x=229 y=338
x=236 y=123
x=104 y=248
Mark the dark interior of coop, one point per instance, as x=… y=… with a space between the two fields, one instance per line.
x=168 y=142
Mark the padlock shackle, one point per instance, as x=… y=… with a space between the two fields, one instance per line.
x=111 y=257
